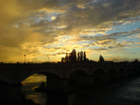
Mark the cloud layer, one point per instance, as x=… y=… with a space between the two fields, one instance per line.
x=53 y=27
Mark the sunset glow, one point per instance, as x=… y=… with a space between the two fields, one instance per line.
x=45 y=30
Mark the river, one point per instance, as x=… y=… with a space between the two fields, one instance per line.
x=124 y=92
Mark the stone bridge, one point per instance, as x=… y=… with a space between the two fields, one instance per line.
x=59 y=75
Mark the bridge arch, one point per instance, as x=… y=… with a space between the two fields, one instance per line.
x=99 y=75
x=77 y=69
x=113 y=74
x=134 y=70
x=79 y=76
x=122 y=69
x=122 y=72
x=129 y=71
x=98 y=70
x=112 y=70
x=40 y=71
x=5 y=79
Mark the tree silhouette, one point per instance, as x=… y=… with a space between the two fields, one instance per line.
x=73 y=57
x=101 y=59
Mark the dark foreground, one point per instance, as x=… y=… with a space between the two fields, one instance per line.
x=126 y=92
x=123 y=92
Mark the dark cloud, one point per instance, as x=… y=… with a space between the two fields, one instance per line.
x=112 y=36
x=60 y=53
x=99 y=49
x=53 y=49
x=119 y=45
x=115 y=45
x=98 y=14
x=38 y=24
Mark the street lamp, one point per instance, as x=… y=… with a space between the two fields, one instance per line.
x=25 y=58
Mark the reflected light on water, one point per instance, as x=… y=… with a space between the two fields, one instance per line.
x=127 y=94
x=39 y=98
x=28 y=86
x=36 y=78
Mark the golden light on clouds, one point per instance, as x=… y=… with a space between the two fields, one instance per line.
x=53 y=17
x=42 y=29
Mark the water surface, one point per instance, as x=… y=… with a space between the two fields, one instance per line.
x=121 y=93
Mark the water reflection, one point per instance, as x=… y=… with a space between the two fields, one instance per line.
x=126 y=94
x=28 y=88
x=57 y=99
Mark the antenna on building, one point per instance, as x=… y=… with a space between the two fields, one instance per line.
x=25 y=58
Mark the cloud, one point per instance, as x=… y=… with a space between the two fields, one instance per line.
x=117 y=59
x=120 y=59
x=27 y=26
x=40 y=23
x=99 y=16
x=113 y=36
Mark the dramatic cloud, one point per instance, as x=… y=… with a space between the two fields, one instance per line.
x=42 y=28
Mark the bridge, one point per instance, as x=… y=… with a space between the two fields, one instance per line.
x=60 y=75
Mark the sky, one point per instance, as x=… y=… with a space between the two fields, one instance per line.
x=44 y=30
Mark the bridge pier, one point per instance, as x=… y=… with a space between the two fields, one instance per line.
x=10 y=93
x=124 y=74
x=130 y=73
x=57 y=84
x=106 y=78
x=84 y=80
x=114 y=76
x=102 y=77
